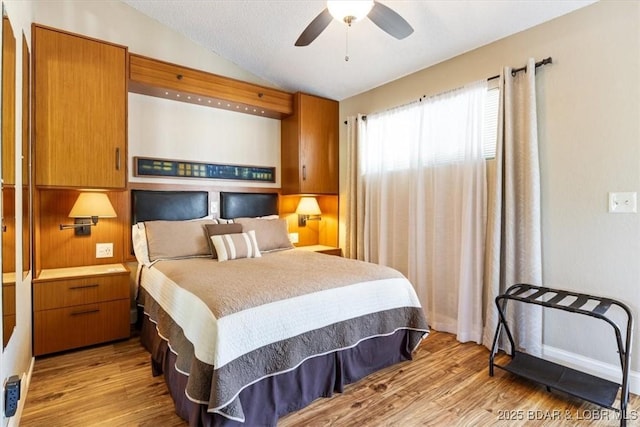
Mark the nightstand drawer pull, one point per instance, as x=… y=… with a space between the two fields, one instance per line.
x=73 y=288
x=77 y=313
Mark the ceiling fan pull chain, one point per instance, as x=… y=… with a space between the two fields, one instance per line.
x=346 y=47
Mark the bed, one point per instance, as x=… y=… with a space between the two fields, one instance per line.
x=263 y=329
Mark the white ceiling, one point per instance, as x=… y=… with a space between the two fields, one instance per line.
x=259 y=36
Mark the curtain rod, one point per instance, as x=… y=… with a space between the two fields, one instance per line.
x=545 y=61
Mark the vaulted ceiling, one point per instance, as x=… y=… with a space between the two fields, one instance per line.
x=259 y=36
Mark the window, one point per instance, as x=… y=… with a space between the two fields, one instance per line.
x=395 y=143
x=490 y=136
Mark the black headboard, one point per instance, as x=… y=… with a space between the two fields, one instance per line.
x=148 y=205
x=236 y=205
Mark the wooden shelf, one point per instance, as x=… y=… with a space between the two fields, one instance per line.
x=88 y=270
x=161 y=79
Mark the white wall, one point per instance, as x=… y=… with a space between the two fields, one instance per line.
x=206 y=134
x=589 y=105
x=168 y=129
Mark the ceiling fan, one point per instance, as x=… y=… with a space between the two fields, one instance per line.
x=352 y=11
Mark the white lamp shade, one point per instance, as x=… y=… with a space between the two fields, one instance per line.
x=308 y=206
x=355 y=9
x=92 y=204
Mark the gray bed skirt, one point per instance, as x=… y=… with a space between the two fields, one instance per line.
x=273 y=397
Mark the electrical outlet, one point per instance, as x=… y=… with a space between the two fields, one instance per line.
x=623 y=202
x=104 y=250
x=294 y=237
x=11 y=396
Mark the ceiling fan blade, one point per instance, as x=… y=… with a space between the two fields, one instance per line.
x=389 y=21
x=314 y=29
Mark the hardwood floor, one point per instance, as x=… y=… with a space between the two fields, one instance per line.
x=447 y=384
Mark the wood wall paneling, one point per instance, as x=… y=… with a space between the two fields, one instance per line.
x=62 y=248
x=328 y=227
x=323 y=232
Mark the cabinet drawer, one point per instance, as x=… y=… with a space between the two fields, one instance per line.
x=73 y=292
x=79 y=326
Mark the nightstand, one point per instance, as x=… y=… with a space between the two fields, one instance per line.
x=80 y=306
x=329 y=250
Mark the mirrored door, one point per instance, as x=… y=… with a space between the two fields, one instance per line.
x=8 y=180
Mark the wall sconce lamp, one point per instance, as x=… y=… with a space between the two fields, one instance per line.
x=86 y=211
x=308 y=210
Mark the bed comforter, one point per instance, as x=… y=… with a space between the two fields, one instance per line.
x=234 y=323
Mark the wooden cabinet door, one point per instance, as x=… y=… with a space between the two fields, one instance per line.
x=318 y=145
x=310 y=147
x=80 y=107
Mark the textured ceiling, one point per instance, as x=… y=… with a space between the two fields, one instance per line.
x=259 y=36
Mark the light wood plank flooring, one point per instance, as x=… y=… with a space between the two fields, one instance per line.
x=447 y=384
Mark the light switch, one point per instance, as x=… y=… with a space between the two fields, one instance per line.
x=623 y=202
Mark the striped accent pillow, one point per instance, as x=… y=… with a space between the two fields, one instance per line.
x=236 y=246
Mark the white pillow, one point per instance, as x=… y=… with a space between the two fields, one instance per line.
x=139 y=239
x=236 y=246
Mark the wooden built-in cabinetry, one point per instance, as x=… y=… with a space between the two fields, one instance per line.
x=80 y=142
x=309 y=150
x=76 y=307
x=80 y=111
x=165 y=80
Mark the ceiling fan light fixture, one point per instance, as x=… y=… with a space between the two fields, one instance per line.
x=349 y=11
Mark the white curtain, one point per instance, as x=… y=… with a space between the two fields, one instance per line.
x=423 y=190
x=514 y=249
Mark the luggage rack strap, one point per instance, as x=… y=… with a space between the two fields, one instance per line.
x=515 y=292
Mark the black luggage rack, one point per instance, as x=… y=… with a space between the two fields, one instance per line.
x=587 y=387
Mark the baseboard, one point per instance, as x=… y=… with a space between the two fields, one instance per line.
x=591 y=366
x=25 y=381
